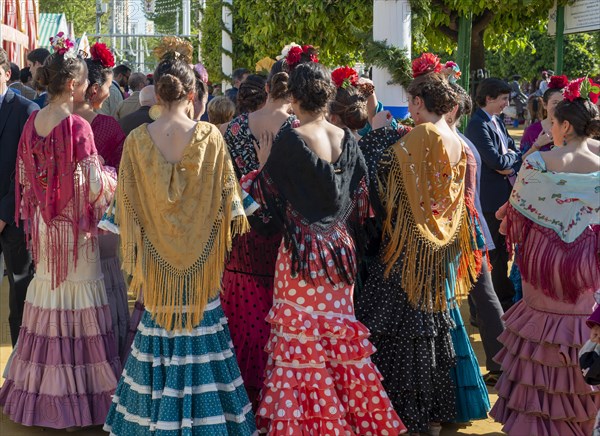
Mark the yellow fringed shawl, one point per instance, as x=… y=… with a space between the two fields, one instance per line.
x=176 y=223
x=427 y=220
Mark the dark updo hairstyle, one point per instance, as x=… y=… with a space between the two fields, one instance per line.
x=56 y=71
x=251 y=94
x=351 y=106
x=311 y=86
x=435 y=91
x=465 y=104
x=97 y=74
x=173 y=80
x=582 y=114
x=278 y=81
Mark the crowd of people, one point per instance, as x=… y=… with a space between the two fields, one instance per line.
x=299 y=260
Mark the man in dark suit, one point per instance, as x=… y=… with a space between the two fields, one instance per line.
x=14 y=112
x=142 y=115
x=500 y=163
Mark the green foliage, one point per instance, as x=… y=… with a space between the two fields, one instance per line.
x=581 y=57
x=503 y=24
x=394 y=59
x=82 y=13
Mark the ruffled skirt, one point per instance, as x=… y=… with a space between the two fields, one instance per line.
x=182 y=383
x=65 y=368
x=116 y=290
x=320 y=379
x=414 y=351
x=542 y=391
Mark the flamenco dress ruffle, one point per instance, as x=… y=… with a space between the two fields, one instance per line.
x=320 y=379
x=182 y=382
x=542 y=391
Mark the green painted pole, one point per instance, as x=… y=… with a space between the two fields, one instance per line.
x=560 y=40
x=465 y=26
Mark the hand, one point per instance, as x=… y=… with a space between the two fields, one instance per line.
x=542 y=139
x=595 y=334
x=263 y=148
x=382 y=119
x=2 y=225
x=507 y=172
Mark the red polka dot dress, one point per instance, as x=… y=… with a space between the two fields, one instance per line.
x=319 y=379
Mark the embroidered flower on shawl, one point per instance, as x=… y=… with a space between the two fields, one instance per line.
x=344 y=77
x=426 y=63
x=235 y=128
x=62 y=45
x=558 y=82
x=100 y=52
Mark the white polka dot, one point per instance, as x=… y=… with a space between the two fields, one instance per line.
x=336 y=304
x=289 y=374
x=280 y=425
x=365 y=424
x=329 y=425
x=378 y=416
x=316 y=408
x=321 y=306
x=375 y=400
x=287 y=312
x=281 y=413
x=310 y=292
x=300 y=300
x=263 y=411
x=268 y=399
x=279 y=371
x=328 y=297
x=280 y=284
x=291 y=292
x=333 y=410
x=302 y=283
x=343 y=348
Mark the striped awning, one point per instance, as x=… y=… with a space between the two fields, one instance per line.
x=50 y=25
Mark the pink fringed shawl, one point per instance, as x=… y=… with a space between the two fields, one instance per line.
x=50 y=186
x=554 y=219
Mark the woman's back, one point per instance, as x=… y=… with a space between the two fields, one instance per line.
x=323 y=139
x=581 y=161
x=171 y=135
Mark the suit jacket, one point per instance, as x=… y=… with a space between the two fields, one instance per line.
x=135 y=119
x=495 y=187
x=14 y=112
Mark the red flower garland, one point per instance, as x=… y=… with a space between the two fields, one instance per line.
x=100 y=52
x=426 y=63
x=344 y=76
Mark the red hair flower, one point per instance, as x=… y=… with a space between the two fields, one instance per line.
x=344 y=76
x=582 y=88
x=100 y=52
x=293 y=55
x=558 y=82
x=426 y=63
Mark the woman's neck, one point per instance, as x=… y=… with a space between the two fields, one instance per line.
x=575 y=144
x=63 y=104
x=273 y=105
x=85 y=110
x=176 y=111
x=310 y=117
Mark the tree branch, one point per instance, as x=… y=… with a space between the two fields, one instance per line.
x=481 y=22
x=449 y=32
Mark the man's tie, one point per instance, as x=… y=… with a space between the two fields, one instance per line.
x=503 y=140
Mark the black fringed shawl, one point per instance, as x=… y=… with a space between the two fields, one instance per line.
x=321 y=207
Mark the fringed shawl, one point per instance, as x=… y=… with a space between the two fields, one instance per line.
x=53 y=183
x=320 y=206
x=177 y=222
x=554 y=218
x=428 y=219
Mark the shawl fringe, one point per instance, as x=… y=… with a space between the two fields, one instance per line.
x=425 y=262
x=177 y=297
x=548 y=262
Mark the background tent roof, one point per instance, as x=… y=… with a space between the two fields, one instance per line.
x=50 y=25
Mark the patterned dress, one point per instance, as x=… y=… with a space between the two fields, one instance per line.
x=320 y=379
x=66 y=366
x=554 y=218
x=248 y=278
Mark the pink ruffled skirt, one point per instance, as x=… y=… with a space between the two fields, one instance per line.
x=542 y=391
